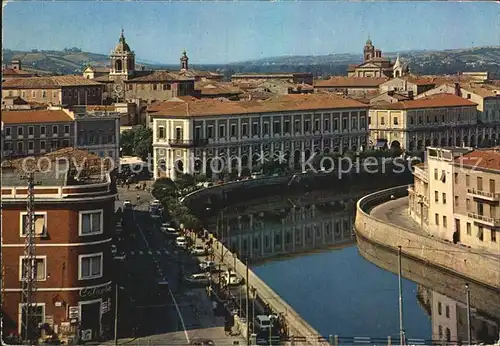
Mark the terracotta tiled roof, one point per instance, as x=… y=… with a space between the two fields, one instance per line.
x=15 y=72
x=194 y=73
x=214 y=88
x=271 y=74
x=297 y=102
x=432 y=101
x=109 y=108
x=36 y=116
x=103 y=79
x=349 y=82
x=99 y=69
x=483 y=90
x=486 y=159
x=52 y=82
x=420 y=80
x=159 y=76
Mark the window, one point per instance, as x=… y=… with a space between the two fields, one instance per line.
x=443 y=176
x=233 y=130
x=42 y=145
x=493 y=235
x=31 y=130
x=255 y=129
x=436 y=219
x=467 y=204
x=448 y=335
x=91 y=222
x=456 y=178
x=440 y=332
x=456 y=201
x=31 y=145
x=327 y=125
x=316 y=125
x=197 y=133
x=440 y=308
x=44 y=93
x=445 y=221
x=435 y=174
x=40 y=268
x=19 y=131
x=90 y=266
x=244 y=129
x=154 y=86
x=66 y=128
x=480 y=183
x=382 y=121
x=395 y=120
x=469 y=228
x=436 y=196
x=54 y=129
x=210 y=131
x=37 y=311
x=178 y=133
x=307 y=126
x=42 y=130
x=40 y=223
x=297 y=126
x=20 y=147
x=276 y=128
x=287 y=126
x=444 y=198
x=33 y=93
x=221 y=131
x=480 y=232
x=65 y=143
x=266 y=128
x=161 y=132
x=8 y=131
x=467 y=180
x=335 y=124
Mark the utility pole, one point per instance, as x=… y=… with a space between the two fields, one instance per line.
x=116 y=314
x=29 y=268
x=400 y=270
x=469 y=327
x=248 y=297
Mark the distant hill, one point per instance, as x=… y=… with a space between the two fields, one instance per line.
x=67 y=61
x=73 y=60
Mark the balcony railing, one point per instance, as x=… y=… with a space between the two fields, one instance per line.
x=484 y=219
x=187 y=143
x=489 y=196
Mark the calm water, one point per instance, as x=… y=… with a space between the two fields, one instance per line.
x=339 y=292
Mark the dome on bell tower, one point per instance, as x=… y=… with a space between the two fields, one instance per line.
x=122 y=46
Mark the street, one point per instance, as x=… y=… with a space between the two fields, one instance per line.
x=151 y=312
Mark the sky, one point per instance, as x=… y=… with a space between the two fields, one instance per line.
x=222 y=32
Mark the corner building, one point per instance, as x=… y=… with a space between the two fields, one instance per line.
x=189 y=135
x=73 y=226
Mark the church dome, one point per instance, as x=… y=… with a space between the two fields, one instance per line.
x=369 y=42
x=122 y=46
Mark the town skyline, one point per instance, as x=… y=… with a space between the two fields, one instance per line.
x=209 y=41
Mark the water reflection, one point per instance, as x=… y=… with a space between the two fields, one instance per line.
x=271 y=227
x=443 y=296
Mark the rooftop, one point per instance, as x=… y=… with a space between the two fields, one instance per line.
x=36 y=116
x=483 y=90
x=481 y=159
x=432 y=101
x=349 y=82
x=15 y=72
x=281 y=103
x=216 y=88
x=51 y=82
x=160 y=76
x=271 y=74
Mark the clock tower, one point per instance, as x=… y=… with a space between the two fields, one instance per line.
x=122 y=66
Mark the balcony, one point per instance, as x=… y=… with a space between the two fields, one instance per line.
x=421 y=174
x=187 y=143
x=488 y=196
x=485 y=220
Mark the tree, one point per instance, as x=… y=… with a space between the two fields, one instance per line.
x=127 y=142
x=143 y=141
x=184 y=181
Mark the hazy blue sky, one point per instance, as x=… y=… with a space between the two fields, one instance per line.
x=220 y=32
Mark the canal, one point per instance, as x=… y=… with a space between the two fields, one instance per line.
x=302 y=245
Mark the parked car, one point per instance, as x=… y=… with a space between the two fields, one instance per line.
x=181 y=242
x=263 y=322
x=199 y=250
x=199 y=279
x=127 y=204
x=207 y=265
x=230 y=278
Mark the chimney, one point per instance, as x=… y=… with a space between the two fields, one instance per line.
x=16 y=64
x=410 y=94
x=457 y=89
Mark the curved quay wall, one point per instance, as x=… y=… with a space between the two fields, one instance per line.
x=484 y=269
x=297 y=326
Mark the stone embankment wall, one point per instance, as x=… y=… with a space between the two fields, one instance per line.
x=475 y=265
x=296 y=325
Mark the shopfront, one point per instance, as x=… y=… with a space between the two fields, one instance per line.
x=94 y=312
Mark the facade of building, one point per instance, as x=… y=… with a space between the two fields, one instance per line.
x=73 y=228
x=294 y=77
x=92 y=72
x=410 y=86
x=15 y=71
x=65 y=90
x=375 y=65
x=35 y=132
x=455 y=197
x=197 y=136
x=351 y=86
x=438 y=120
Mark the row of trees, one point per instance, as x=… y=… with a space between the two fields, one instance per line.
x=137 y=141
x=169 y=194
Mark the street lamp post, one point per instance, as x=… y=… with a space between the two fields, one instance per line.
x=117 y=288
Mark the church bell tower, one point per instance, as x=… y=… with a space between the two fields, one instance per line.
x=122 y=61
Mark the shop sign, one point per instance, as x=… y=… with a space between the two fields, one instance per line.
x=94 y=292
x=73 y=312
